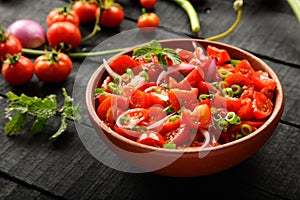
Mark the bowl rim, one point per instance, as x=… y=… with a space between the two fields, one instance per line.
x=277 y=109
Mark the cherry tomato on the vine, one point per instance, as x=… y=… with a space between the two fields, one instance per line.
x=112 y=16
x=85 y=10
x=17 y=69
x=148 y=4
x=148 y=20
x=61 y=15
x=53 y=67
x=64 y=32
x=9 y=44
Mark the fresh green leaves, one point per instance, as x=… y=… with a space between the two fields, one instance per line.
x=155 y=48
x=40 y=108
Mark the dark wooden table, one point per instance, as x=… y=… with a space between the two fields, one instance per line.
x=31 y=167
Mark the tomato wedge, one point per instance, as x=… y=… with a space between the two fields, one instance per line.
x=120 y=64
x=262 y=106
x=239 y=79
x=139 y=99
x=245 y=111
x=244 y=67
x=221 y=54
x=151 y=138
x=261 y=80
x=198 y=118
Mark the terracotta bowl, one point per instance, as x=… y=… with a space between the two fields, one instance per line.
x=193 y=161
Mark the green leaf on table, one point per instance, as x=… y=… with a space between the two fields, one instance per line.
x=15 y=124
x=40 y=108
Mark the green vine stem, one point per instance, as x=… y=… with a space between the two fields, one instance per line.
x=237 y=5
x=295 y=5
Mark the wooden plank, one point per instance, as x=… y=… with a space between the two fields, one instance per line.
x=11 y=190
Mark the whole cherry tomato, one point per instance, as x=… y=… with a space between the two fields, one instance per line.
x=64 y=32
x=61 y=15
x=148 y=20
x=112 y=16
x=17 y=69
x=53 y=67
x=148 y=4
x=85 y=10
x=9 y=44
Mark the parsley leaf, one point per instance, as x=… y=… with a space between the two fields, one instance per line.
x=155 y=48
x=41 y=108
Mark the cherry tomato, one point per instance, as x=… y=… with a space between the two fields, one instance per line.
x=111 y=17
x=179 y=136
x=139 y=99
x=171 y=124
x=261 y=80
x=244 y=67
x=61 y=15
x=128 y=133
x=86 y=10
x=228 y=103
x=9 y=44
x=151 y=138
x=53 y=67
x=104 y=112
x=179 y=98
x=186 y=56
x=148 y=20
x=132 y=118
x=245 y=111
x=198 y=118
x=148 y=4
x=17 y=69
x=262 y=106
x=239 y=79
x=64 y=32
x=221 y=54
x=120 y=64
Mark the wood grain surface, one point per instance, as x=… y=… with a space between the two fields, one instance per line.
x=31 y=167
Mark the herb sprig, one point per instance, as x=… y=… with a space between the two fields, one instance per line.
x=40 y=108
x=155 y=48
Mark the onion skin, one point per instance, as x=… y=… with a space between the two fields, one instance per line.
x=30 y=33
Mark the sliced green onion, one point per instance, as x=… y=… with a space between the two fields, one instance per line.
x=237 y=90
x=231 y=117
x=223 y=73
x=173 y=118
x=246 y=129
x=116 y=80
x=214 y=110
x=169 y=145
x=99 y=91
x=238 y=136
x=169 y=110
x=234 y=62
x=222 y=125
x=129 y=72
x=204 y=96
x=227 y=92
x=112 y=86
x=144 y=74
x=139 y=128
x=124 y=120
x=222 y=85
x=126 y=78
x=217 y=117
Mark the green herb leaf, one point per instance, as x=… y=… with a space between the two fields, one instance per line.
x=39 y=125
x=63 y=127
x=155 y=48
x=15 y=124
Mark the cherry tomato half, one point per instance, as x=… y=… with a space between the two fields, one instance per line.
x=262 y=106
x=120 y=64
x=198 y=118
x=221 y=54
x=151 y=138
